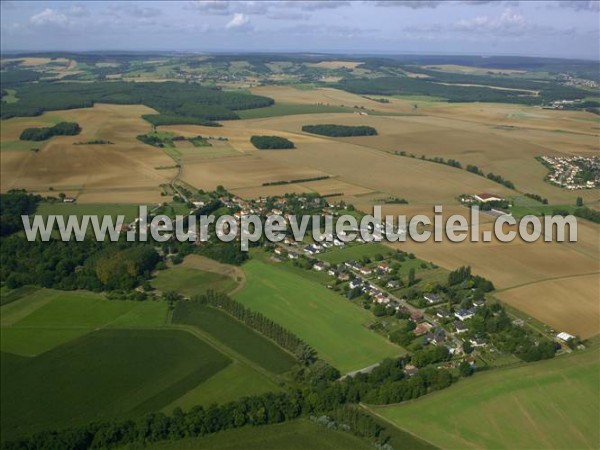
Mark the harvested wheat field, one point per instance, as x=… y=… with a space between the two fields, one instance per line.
x=568 y=304
x=243 y=172
x=124 y=171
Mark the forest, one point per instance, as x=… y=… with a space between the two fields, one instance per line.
x=340 y=130
x=271 y=142
x=44 y=133
x=172 y=99
x=453 y=92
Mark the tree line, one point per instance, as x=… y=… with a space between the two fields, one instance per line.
x=332 y=130
x=257 y=321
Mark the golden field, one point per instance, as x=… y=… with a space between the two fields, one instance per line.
x=123 y=172
x=556 y=283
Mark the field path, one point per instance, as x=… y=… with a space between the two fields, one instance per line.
x=566 y=277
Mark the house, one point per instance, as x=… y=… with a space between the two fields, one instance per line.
x=351 y=264
x=477 y=342
x=464 y=314
x=443 y=313
x=332 y=272
x=384 y=267
x=478 y=303
x=357 y=282
x=319 y=267
x=343 y=276
x=422 y=328
x=293 y=255
x=460 y=327
x=432 y=298
x=365 y=271
x=69 y=200
x=485 y=198
x=438 y=336
x=393 y=284
x=311 y=250
x=415 y=316
x=410 y=370
x=565 y=337
x=279 y=251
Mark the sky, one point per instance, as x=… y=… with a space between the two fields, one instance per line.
x=569 y=29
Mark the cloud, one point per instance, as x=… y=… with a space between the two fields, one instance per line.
x=272 y=8
x=78 y=11
x=580 y=5
x=49 y=17
x=239 y=22
x=508 y=24
x=508 y=21
x=330 y=31
x=216 y=7
x=412 y=4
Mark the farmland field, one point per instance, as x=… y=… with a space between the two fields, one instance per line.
x=550 y=404
x=233 y=382
x=325 y=320
x=65 y=209
x=235 y=335
x=83 y=380
x=45 y=319
x=124 y=172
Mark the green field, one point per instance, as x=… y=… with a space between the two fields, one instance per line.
x=130 y=211
x=11 y=295
x=107 y=374
x=235 y=335
x=47 y=318
x=190 y=282
x=354 y=252
x=288 y=109
x=333 y=326
x=235 y=381
x=297 y=435
x=549 y=404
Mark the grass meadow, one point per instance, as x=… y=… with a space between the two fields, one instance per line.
x=190 y=281
x=336 y=328
x=550 y=404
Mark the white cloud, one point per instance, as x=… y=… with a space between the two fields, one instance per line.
x=412 y=4
x=508 y=21
x=239 y=22
x=49 y=17
x=579 y=5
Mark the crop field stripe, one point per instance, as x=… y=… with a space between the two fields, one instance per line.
x=83 y=380
x=221 y=347
x=236 y=335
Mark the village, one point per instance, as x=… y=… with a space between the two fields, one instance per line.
x=573 y=172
